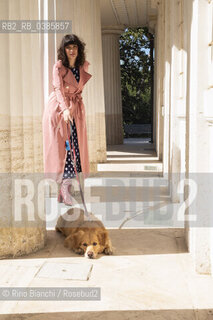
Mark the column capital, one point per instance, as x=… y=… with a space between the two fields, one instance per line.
x=113 y=29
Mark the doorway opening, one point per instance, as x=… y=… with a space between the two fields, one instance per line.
x=137 y=82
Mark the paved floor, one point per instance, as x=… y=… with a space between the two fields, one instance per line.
x=133 y=156
x=149 y=276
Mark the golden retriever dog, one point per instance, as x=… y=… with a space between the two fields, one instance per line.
x=84 y=236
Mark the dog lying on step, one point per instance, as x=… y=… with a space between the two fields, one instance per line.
x=83 y=236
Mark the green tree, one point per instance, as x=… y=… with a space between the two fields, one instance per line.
x=136 y=75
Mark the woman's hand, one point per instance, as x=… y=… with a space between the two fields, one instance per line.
x=67 y=117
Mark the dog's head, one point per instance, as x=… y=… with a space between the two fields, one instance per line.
x=87 y=241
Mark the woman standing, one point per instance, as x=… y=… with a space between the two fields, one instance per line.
x=65 y=109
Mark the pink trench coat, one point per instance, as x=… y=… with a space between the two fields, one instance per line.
x=66 y=94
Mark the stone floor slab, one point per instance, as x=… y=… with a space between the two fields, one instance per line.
x=66 y=271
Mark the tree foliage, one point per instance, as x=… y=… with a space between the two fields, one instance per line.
x=136 y=75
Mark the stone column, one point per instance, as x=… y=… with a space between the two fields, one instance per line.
x=112 y=84
x=199 y=152
x=21 y=134
x=159 y=70
x=152 y=25
x=153 y=28
x=177 y=109
x=26 y=74
x=170 y=98
x=167 y=88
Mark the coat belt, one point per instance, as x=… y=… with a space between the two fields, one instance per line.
x=76 y=98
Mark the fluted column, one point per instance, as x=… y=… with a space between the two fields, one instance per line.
x=160 y=74
x=21 y=163
x=178 y=103
x=112 y=84
x=199 y=134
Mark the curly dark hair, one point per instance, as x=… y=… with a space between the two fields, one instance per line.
x=71 y=39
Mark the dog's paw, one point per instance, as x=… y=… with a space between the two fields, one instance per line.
x=108 y=251
x=79 y=251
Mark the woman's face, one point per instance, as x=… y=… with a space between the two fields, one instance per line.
x=71 y=51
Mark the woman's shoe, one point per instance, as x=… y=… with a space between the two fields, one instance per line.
x=64 y=195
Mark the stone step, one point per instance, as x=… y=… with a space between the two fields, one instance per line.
x=126 y=174
x=131 y=158
x=140 y=166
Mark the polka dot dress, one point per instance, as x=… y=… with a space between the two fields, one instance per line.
x=69 y=171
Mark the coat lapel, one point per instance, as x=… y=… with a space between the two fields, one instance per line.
x=84 y=76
